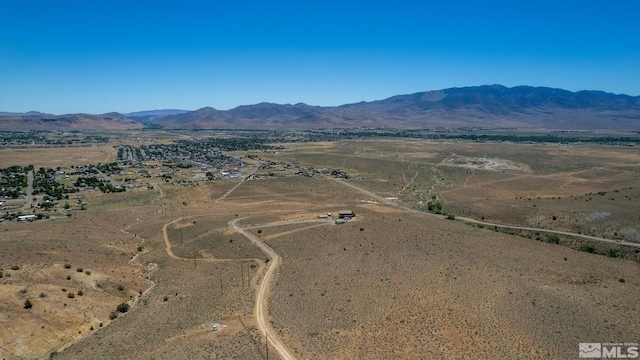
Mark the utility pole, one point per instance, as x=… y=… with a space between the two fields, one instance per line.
x=248 y=278
x=267 y=344
x=220 y=273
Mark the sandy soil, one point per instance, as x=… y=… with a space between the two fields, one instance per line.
x=387 y=285
x=410 y=286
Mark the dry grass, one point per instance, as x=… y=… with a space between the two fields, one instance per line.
x=405 y=286
x=87 y=240
x=58 y=156
x=411 y=286
x=551 y=180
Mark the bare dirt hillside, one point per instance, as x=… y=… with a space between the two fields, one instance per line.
x=396 y=285
x=390 y=283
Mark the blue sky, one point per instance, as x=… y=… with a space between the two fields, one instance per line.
x=94 y=56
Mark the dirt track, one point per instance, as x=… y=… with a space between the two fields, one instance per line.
x=389 y=202
x=262 y=296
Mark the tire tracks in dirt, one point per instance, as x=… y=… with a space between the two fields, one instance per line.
x=469 y=220
x=262 y=295
x=262 y=289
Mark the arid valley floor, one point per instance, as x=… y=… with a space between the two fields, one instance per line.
x=395 y=281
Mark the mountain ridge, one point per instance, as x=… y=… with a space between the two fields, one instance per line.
x=525 y=107
x=486 y=105
x=41 y=121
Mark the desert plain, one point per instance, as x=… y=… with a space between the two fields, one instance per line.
x=395 y=281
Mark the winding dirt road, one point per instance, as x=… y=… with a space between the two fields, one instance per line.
x=262 y=293
x=262 y=296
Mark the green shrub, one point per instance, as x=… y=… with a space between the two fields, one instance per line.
x=88 y=272
x=15 y=267
x=79 y=269
x=120 y=287
x=67 y=266
x=113 y=315
x=434 y=205
x=28 y=304
x=613 y=252
x=71 y=295
x=588 y=248
x=123 y=308
x=553 y=239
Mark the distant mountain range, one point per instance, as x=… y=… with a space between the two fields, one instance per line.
x=41 y=121
x=485 y=106
x=20 y=114
x=154 y=114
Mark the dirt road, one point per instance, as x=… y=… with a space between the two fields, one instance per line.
x=262 y=296
x=469 y=220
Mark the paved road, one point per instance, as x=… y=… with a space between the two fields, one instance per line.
x=107 y=178
x=262 y=305
x=567 y=233
x=29 y=202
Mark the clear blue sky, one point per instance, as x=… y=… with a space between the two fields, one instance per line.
x=94 y=56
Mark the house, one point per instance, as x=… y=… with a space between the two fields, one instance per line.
x=26 y=218
x=346 y=214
